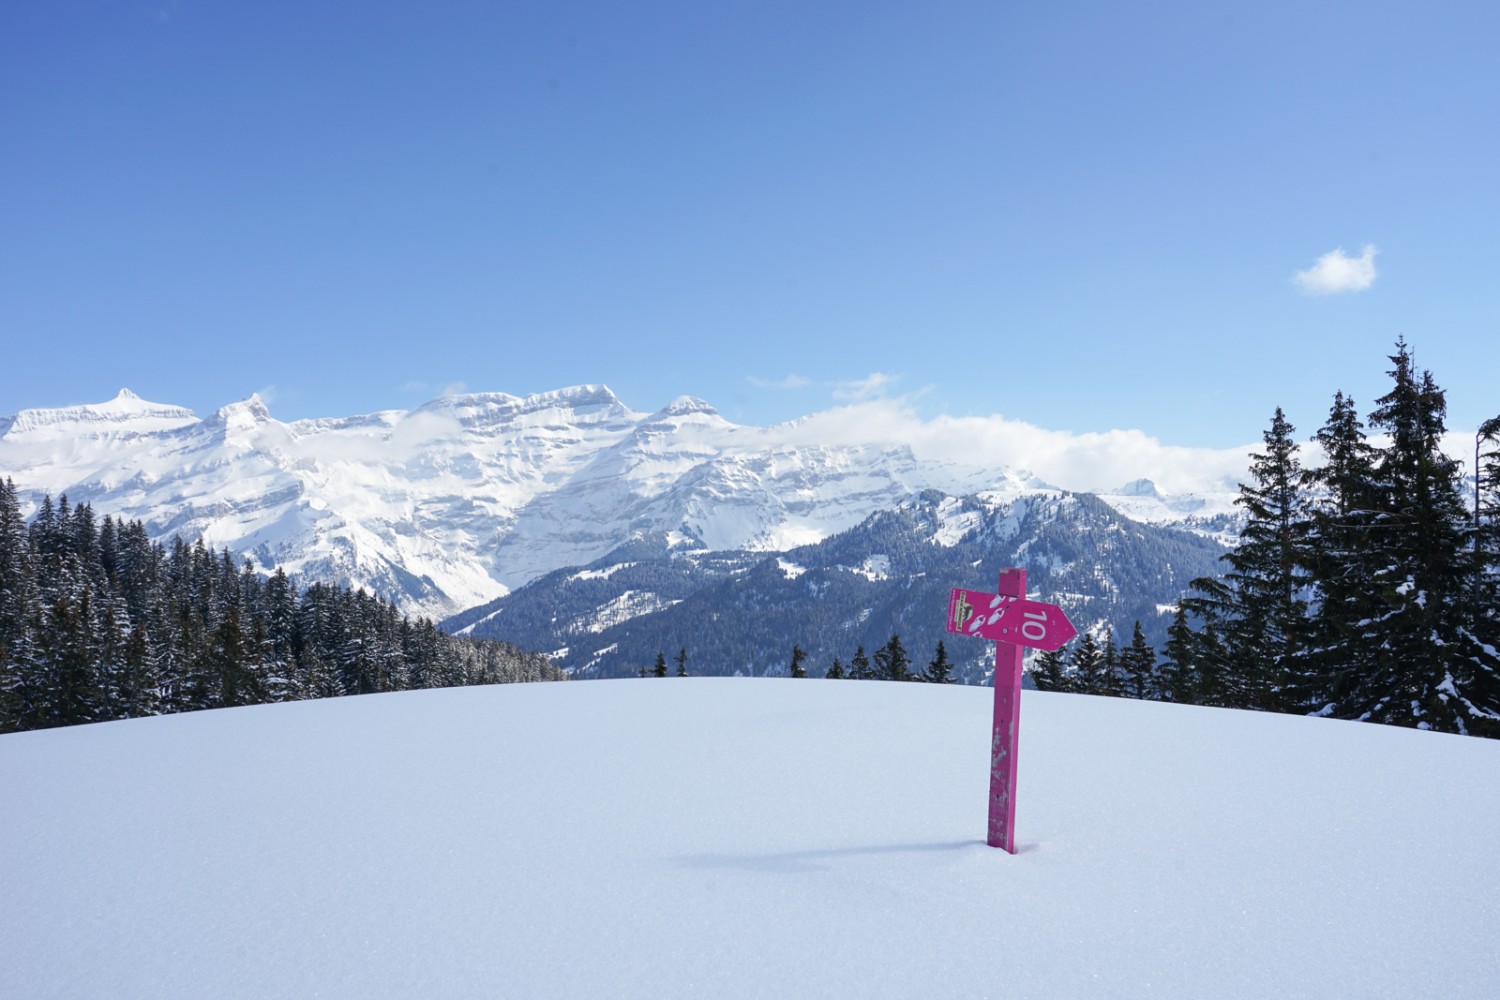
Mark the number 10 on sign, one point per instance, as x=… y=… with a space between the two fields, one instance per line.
x=1011 y=621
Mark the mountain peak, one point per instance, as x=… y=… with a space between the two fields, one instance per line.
x=1138 y=488
x=244 y=415
x=685 y=406
x=252 y=406
x=124 y=413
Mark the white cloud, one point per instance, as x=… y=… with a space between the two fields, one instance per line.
x=792 y=381
x=872 y=386
x=1336 y=272
x=1084 y=462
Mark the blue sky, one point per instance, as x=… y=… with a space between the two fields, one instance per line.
x=1085 y=216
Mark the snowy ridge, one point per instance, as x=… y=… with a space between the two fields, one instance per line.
x=467 y=497
x=125 y=415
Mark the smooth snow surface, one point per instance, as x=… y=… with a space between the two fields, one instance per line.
x=743 y=838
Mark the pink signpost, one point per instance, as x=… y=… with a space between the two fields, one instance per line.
x=1012 y=622
x=1006 y=618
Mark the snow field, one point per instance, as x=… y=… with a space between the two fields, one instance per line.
x=743 y=838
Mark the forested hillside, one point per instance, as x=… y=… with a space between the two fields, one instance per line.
x=97 y=622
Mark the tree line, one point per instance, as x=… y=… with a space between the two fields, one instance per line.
x=890 y=663
x=1366 y=587
x=98 y=622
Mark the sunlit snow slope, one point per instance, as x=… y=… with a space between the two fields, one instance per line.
x=743 y=838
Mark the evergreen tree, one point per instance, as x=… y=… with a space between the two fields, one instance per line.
x=939 y=669
x=1180 y=673
x=113 y=671
x=1344 y=564
x=18 y=613
x=140 y=685
x=278 y=639
x=1259 y=608
x=1086 y=665
x=891 y=661
x=1111 y=675
x=68 y=691
x=1138 y=665
x=798 y=655
x=859 y=667
x=1048 y=671
x=682 y=662
x=1425 y=669
x=660 y=669
x=229 y=664
x=835 y=672
x=1485 y=573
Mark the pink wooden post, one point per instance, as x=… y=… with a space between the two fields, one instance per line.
x=1006 y=734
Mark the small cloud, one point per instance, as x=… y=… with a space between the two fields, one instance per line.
x=1336 y=272
x=872 y=386
x=792 y=381
x=267 y=394
x=454 y=389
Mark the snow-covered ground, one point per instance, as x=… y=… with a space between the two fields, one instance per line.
x=743 y=838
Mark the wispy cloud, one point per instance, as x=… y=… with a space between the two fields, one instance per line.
x=792 y=381
x=1089 y=462
x=1336 y=272
x=872 y=386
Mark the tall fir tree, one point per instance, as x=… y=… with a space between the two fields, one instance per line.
x=1086 y=665
x=1048 y=670
x=1258 y=609
x=939 y=668
x=1138 y=665
x=796 y=669
x=1424 y=668
x=1344 y=564
x=1179 y=668
x=859 y=666
x=1485 y=572
x=1111 y=680
x=891 y=662
x=18 y=613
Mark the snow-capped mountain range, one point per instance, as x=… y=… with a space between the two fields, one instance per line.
x=467 y=497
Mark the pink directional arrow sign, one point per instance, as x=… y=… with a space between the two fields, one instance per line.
x=1011 y=621
x=1003 y=618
